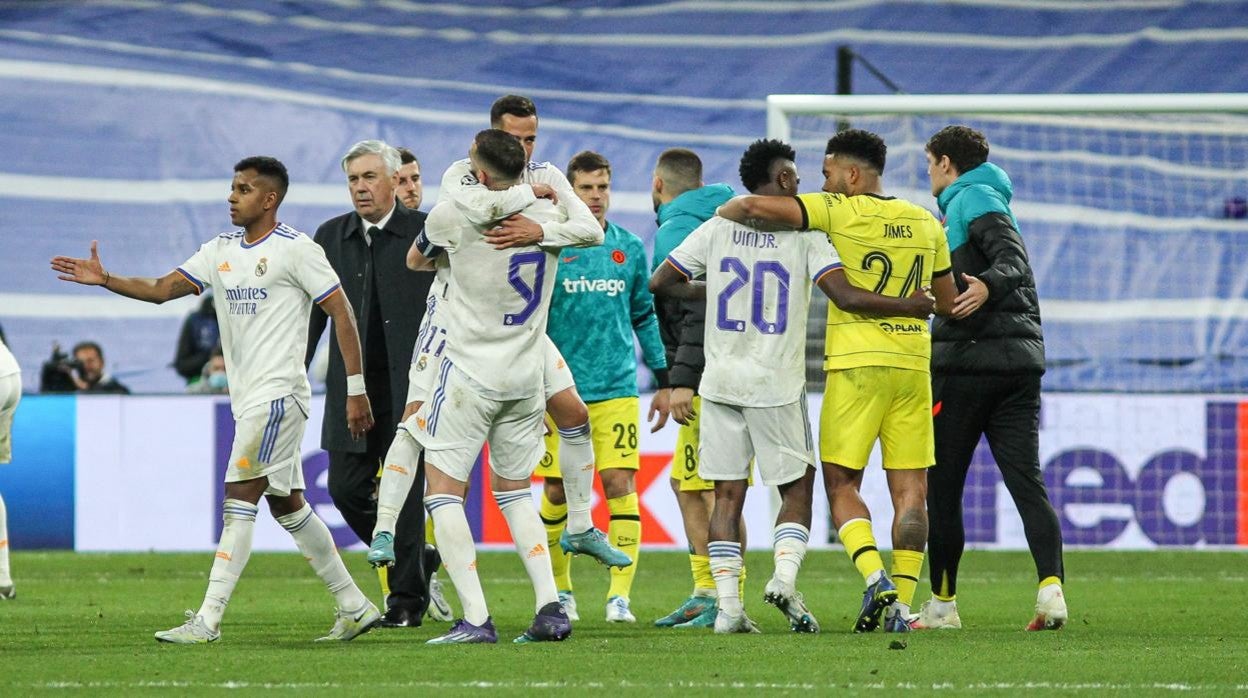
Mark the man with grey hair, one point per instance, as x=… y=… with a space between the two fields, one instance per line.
x=368 y=249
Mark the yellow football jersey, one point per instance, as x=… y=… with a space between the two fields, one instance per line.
x=889 y=246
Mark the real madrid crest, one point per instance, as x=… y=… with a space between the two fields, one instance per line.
x=420 y=363
x=262 y=266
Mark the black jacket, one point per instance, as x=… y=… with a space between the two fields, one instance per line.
x=682 y=327
x=199 y=336
x=401 y=296
x=1002 y=337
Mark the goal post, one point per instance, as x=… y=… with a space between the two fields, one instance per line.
x=1134 y=210
x=781 y=107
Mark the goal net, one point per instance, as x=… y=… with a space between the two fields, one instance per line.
x=1134 y=210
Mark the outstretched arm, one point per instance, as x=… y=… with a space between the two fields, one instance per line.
x=853 y=299
x=359 y=411
x=765 y=212
x=671 y=282
x=91 y=272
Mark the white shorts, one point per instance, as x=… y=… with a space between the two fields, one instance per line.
x=430 y=341
x=778 y=438
x=556 y=376
x=10 y=395
x=267 y=442
x=459 y=420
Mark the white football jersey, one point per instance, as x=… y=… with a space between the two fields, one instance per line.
x=8 y=363
x=757 y=296
x=497 y=303
x=263 y=295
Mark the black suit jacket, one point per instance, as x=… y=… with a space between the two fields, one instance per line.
x=401 y=295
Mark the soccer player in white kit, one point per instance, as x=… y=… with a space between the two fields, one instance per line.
x=754 y=385
x=10 y=395
x=266 y=277
x=486 y=207
x=490 y=387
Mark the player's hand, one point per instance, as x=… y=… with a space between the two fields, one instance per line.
x=82 y=271
x=359 y=415
x=545 y=191
x=516 y=231
x=682 y=405
x=921 y=304
x=660 y=405
x=971 y=299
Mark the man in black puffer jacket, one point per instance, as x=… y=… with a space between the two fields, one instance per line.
x=987 y=359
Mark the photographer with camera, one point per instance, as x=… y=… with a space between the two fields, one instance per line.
x=83 y=373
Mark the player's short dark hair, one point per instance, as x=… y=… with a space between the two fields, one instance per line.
x=680 y=167
x=514 y=105
x=88 y=345
x=860 y=145
x=587 y=161
x=755 y=169
x=500 y=154
x=407 y=157
x=269 y=168
x=966 y=147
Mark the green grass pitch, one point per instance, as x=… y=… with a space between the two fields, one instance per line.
x=1156 y=622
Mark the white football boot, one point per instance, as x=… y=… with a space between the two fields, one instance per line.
x=193 y=632
x=1051 y=611
x=937 y=615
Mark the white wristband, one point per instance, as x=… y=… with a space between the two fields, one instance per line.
x=355 y=385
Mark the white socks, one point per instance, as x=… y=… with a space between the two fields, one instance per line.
x=789 y=547
x=396 y=479
x=530 y=537
x=576 y=464
x=316 y=543
x=459 y=554
x=5 y=579
x=232 y=554
x=726 y=566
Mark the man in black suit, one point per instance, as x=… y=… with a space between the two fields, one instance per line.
x=368 y=249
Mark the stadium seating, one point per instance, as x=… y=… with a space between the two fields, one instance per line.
x=122 y=122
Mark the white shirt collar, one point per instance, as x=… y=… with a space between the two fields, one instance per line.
x=381 y=223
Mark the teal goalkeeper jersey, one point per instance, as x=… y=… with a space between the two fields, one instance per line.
x=601 y=299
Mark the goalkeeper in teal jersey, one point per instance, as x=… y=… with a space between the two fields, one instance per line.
x=601 y=299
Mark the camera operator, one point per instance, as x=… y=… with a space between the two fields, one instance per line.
x=83 y=373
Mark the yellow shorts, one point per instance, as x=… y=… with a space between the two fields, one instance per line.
x=685 y=457
x=869 y=402
x=614 y=427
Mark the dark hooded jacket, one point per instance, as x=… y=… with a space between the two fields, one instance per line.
x=682 y=323
x=1002 y=337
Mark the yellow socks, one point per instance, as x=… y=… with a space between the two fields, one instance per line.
x=907 y=565
x=429 y=537
x=624 y=532
x=383 y=576
x=860 y=545
x=703 y=582
x=741 y=580
x=554 y=516
x=1048 y=581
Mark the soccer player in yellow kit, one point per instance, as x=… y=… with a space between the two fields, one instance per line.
x=878 y=375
